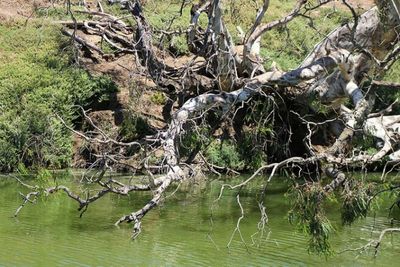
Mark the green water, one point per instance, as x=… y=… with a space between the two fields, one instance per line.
x=183 y=232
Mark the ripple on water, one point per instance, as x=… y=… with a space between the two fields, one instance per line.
x=180 y=234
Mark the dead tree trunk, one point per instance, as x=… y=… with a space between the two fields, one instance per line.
x=336 y=69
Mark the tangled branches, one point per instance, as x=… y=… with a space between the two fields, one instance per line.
x=346 y=65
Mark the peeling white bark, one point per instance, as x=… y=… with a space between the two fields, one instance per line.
x=333 y=71
x=373 y=35
x=386 y=128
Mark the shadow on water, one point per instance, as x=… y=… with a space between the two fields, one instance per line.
x=184 y=231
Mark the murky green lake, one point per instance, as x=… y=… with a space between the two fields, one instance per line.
x=185 y=231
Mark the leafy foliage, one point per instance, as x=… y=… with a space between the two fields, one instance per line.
x=134 y=127
x=37 y=81
x=158 y=98
x=355 y=200
x=224 y=153
x=307 y=212
x=251 y=152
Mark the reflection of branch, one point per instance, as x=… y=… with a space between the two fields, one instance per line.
x=136 y=216
x=274 y=166
x=379 y=241
x=27 y=198
x=237 y=229
x=110 y=186
x=374 y=243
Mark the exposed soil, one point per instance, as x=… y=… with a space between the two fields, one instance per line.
x=123 y=70
x=357 y=4
x=17 y=9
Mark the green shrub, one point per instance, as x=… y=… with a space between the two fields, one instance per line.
x=37 y=81
x=158 y=98
x=224 y=154
x=134 y=127
x=250 y=152
x=193 y=139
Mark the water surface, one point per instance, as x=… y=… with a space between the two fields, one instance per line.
x=185 y=231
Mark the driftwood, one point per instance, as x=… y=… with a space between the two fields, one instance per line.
x=335 y=70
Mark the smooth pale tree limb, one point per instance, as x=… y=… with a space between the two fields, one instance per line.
x=333 y=71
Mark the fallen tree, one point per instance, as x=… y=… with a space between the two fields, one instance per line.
x=348 y=64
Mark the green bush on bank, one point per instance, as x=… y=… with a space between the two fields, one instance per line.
x=224 y=153
x=38 y=80
x=134 y=127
